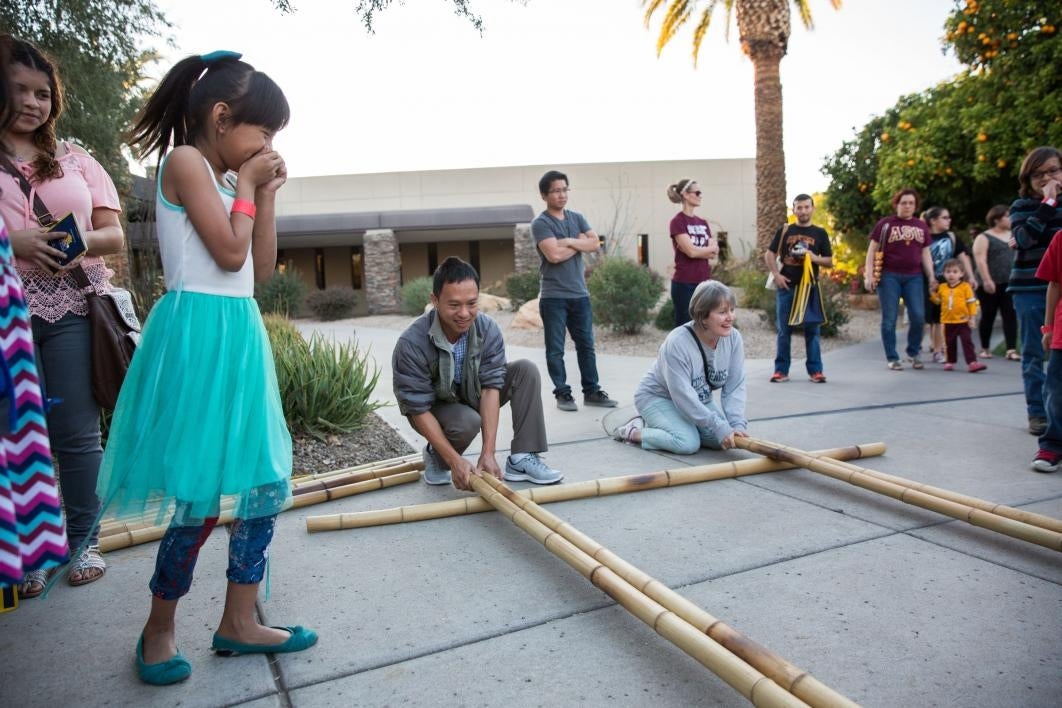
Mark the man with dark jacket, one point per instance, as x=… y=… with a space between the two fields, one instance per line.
x=451 y=379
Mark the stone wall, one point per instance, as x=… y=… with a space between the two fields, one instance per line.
x=383 y=272
x=525 y=255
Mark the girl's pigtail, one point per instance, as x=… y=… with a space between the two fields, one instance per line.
x=164 y=119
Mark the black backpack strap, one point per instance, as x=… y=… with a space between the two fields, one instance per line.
x=700 y=350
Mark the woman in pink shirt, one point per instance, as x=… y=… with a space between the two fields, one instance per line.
x=692 y=240
x=67 y=180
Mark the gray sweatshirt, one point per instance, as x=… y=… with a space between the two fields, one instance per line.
x=678 y=374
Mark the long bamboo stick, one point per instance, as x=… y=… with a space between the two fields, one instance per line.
x=323 y=480
x=908 y=494
x=414 y=459
x=342 y=480
x=793 y=679
x=578 y=490
x=134 y=534
x=1029 y=517
x=752 y=684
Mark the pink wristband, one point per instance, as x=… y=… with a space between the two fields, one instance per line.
x=244 y=206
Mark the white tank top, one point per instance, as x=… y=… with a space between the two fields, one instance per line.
x=186 y=262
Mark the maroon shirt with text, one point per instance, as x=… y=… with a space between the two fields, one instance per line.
x=690 y=270
x=902 y=241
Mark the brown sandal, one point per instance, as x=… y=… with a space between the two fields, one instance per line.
x=1012 y=355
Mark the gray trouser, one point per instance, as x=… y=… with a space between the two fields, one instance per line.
x=523 y=390
x=64 y=352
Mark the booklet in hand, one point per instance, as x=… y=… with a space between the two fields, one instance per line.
x=68 y=240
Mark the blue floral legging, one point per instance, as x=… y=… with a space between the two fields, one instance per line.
x=249 y=537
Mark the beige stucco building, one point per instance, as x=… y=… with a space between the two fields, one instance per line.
x=371 y=232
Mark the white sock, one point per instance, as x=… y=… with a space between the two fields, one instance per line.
x=518 y=457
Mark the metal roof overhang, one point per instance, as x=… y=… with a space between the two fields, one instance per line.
x=314 y=230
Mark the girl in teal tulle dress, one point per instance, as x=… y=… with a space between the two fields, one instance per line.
x=199 y=415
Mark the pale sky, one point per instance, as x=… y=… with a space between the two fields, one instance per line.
x=559 y=81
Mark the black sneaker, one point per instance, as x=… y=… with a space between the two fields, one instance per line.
x=566 y=403
x=599 y=398
x=1037 y=425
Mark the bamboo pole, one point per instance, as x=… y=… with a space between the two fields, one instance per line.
x=299 y=485
x=578 y=490
x=135 y=534
x=749 y=682
x=793 y=679
x=1046 y=522
x=341 y=480
x=414 y=459
x=907 y=494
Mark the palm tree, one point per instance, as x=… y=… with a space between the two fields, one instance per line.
x=764 y=28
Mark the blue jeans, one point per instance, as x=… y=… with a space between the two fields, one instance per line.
x=571 y=314
x=1052 y=437
x=667 y=428
x=1031 y=307
x=681 y=293
x=63 y=350
x=783 y=304
x=912 y=288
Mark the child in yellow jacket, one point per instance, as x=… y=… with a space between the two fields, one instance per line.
x=958 y=309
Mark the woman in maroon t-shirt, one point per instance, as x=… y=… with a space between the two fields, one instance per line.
x=692 y=240
x=901 y=243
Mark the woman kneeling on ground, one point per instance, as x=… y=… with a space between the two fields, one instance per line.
x=676 y=410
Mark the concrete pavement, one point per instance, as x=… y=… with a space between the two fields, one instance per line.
x=886 y=603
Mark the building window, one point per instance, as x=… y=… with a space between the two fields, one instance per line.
x=281 y=266
x=473 y=255
x=318 y=266
x=643 y=249
x=433 y=257
x=356 y=267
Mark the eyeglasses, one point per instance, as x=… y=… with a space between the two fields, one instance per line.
x=697 y=193
x=1049 y=172
x=563 y=190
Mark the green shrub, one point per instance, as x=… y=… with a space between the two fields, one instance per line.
x=324 y=387
x=331 y=303
x=522 y=287
x=416 y=294
x=622 y=294
x=283 y=333
x=665 y=316
x=282 y=294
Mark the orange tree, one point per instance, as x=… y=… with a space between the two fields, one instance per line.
x=763 y=28
x=960 y=143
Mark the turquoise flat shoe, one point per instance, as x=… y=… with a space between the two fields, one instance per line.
x=301 y=638
x=173 y=670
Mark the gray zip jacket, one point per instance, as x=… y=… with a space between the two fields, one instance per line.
x=422 y=365
x=678 y=374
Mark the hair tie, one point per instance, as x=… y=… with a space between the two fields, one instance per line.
x=218 y=55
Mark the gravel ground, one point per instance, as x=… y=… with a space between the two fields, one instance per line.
x=378 y=441
x=375 y=441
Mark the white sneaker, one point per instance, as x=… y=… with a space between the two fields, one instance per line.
x=531 y=468
x=625 y=431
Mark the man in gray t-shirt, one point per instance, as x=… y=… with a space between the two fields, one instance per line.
x=562 y=237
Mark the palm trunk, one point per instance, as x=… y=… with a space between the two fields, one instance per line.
x=770 y=155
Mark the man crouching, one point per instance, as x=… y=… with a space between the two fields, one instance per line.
x=451 y=380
